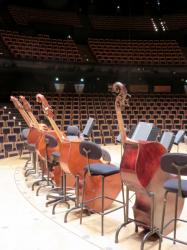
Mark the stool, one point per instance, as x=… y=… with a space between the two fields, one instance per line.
x=93 y=151
x=33 y=159
x=50 y=142
x=59 y=195
x=174 y=163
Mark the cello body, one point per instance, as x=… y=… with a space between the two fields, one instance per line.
x=141 y=172
x=140 y=169
x=73 y=162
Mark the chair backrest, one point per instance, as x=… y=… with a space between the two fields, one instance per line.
x=90 y=150
x=179 y=136
x=73 y=130
x=105 y=155
x=174 y=163
x=51 y=141
x=167 y=140
x=24 y=133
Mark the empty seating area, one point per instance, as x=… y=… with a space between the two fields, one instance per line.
x=138 y=23
x=11 y=124
x=175 y=22
x=167 y=112
x=25 y=16
x=137 y=52
x=41 y=47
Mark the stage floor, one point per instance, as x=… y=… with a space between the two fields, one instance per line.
x=27 y=224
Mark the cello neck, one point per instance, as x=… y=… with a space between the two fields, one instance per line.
x=21 y=110
x=120 y=101
x=121 y=127
x=49 y=114
x=28 y=110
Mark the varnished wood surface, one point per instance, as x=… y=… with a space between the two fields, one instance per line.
x=25 y=222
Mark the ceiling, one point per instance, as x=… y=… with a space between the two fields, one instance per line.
x=109 y=7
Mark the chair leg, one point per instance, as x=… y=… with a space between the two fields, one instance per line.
x=175 y=221
x=162 y=220
x=123 y=198
x=77 y=203
x=76 y=190
x=127 y=220
x=83 y=193
x=102 y=205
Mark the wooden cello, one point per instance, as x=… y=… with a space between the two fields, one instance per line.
x=73 y=162
x=141 y=172
x=38 y=132
x=59 y=135
x=20 y=108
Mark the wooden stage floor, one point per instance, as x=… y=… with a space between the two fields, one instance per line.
x=26 y=224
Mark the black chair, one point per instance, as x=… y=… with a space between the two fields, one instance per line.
x=93 y=151
x=32 y=151
x=61 y=195
x=175 y=164
x=72 y=130
x=57 y=195
x=45 y=181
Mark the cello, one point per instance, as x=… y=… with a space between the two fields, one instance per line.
x=36 y=133
x=141 y=172
x=21 y=110
x=71 y=161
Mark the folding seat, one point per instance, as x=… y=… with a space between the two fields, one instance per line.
x=10 y=123
x=1 y=142
x=2 y=155
x=8 y=147
x=12 y=138
x=107 y=137
x=5 y=117
x=58 y=122
x=1 y=125
x=168 y=124
x=5 y=131
x=75 y=121
x=97 y=137
x=177 y=124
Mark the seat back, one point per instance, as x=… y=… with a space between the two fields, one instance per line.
x=90 y=150
x=51 y=141
x=73 y=130
x=174 y=163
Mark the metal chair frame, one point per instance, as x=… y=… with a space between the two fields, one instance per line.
x=179 y=193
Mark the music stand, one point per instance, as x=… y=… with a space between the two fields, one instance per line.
x=167 y=140
x=179 y=137
x=88 y=128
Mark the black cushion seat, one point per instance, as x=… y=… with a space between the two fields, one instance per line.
x=96 y=169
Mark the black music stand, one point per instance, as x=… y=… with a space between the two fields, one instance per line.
x=88 y=128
